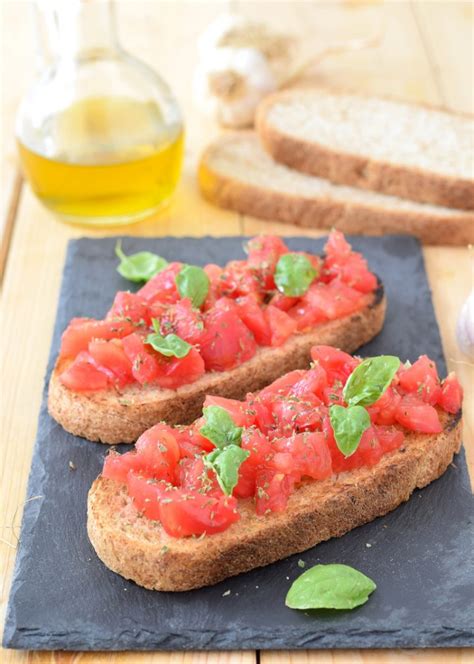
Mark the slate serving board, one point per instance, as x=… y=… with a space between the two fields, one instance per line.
x=420 y=556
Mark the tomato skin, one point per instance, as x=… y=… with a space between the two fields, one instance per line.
x=83 y=376
x=263 y=253
x=176 y=371
x=273 y=491
x=162 y=436
x=337 y=364
x=111 y=355
x=80 y=332
x=283 y=302
x=117 y=466
x=131 y=307
x=162 y=287
x=253 y=317
x=313 y=382
x=226 y=342
x=384 y=409
x=292 y=414
x=183 y=319
x=192 y=513
x=235 y=408
x=451 y=395
x=421 y=378
x=195 y=476
x=281 y=325
x=390 y=438
x=238 y=279
x=145 y=367
x=415 y=415
x=281 y=385
x=146 y=494
x=310 y=455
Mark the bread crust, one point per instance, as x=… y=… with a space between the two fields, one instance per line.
x=111 y=417
x=139 y=549
x=326 y=213
x=358 y=171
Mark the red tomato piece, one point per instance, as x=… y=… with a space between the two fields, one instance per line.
x=389 y=438
x=384 y=409
x=421 y=378
x=313 y=382
x=111 y=355
x=264 y=252
x=414 y=414
x=282 y=385
x=451 y=395
x=184 y=320
x=227 y=342
x=337 y=245
x=238 y=279
x=131 y=307
x=116 y=466
x=252 y=315
x=273 y=491
x=80 y=332
x=162 y=287
x=284 y=302
x=195 y=476
x=235 y=408
x=145 y=366
x=161 y=437
x=282 y=326
x=293 y=414
x=310 y=454
x=146 y=494
x=337 y=364
x=177 y=371
x=83 y=376
x=184 y=513
x=214 y=273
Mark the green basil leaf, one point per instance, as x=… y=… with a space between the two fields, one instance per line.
x=294 y=274
x=170 y=345
x=220 y=428
x=370 y=379
x=330 y=587
x=348 y=425
x=225 y=463
x=139 y=267
x=193 y=283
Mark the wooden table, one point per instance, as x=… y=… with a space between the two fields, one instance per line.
x=425 y=55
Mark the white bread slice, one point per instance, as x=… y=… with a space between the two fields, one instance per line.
x=139 y=549
x=111 y=417
x=416 y=152
x=236 y=173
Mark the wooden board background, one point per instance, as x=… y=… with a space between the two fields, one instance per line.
x=425 y=55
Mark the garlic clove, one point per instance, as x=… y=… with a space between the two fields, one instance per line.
x=216 y=32
x=465 y=327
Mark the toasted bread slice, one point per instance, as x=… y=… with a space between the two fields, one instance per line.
x=139 y=549
x=416 y=152
x=111 y=417
x=236 y=173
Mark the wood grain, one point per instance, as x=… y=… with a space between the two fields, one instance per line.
x=424 y=56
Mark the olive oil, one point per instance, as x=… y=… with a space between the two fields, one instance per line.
x=104 y=160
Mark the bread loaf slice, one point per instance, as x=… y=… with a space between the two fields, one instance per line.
x=111 y=417
x=236 y=173
x=139 y=549
x=415 y=152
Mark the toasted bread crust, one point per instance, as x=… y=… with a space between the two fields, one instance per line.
x=326 y=213
x=112 y=418
x=139 y=549
x=359 y=171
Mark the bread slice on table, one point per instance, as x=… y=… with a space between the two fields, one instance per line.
x=416 y=152
x=139 y=549
x=236 y=173
x=112 y=417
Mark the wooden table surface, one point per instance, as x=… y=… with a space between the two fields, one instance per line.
x=425 y=55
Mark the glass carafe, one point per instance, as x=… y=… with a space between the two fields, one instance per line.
x=100 y=135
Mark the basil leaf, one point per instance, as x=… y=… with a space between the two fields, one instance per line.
x=220 y=428
x=139 y=267
x=330 y=587
x=370 y=379
x=348 y=425
x=226 y=463
x=294 y=274
x=193 y=283
x=170 y=345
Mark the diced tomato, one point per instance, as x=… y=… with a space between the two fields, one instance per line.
x=161 y=437
x=337 y=245
x=283 y=302
x=83 y=376
x=252 y=315
x=313 y=382
x=238 y=279
x=183 y=319
x=255 y=442
x=131 y=307
x=421 y=378
x=194 y=475
x=370 y=450
x=235 y=408
x=384 y=409
x=226 y=342
x=294 y=414
x=282 y=326
x=337 y=364
x=146 y=494
x=389 y=438
x=145 y=366
x=80 y=333
x=190 y=440
x=273 y=491
x=263 y=255
x=162 y=286
x=214 y=273
x=111 y=355
x=117 y=466
x=351 y=270
x=450 y=398
x=184 y=513
x=281 y=385
x=310 y=454
x=177 y=371
x=414 y=414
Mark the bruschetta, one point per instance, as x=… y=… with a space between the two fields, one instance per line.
x=310 y=457
x=190 y=331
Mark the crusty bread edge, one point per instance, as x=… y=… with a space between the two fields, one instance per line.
x=324 y=213
x=316 y=512
x=112 y=418
x=357 y=171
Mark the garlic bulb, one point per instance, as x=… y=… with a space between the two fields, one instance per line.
x=465 y=327
x=240 y=63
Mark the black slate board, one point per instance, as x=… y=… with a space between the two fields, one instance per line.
x=420 y=556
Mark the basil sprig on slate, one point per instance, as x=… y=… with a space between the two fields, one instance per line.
x=192 y=282
x=139 y=267
x=294 y=274
x=169 y=345
x=226 y=459
x=370 y=379
x=330 y=587
x=365 y=386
